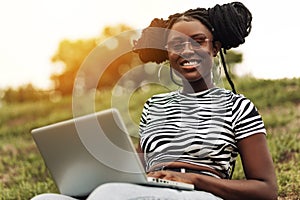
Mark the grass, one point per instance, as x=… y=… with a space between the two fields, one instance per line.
x=24 y=175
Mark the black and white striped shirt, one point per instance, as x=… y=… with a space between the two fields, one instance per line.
x=200 y=128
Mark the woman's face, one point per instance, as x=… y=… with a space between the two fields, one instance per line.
x=191 y=51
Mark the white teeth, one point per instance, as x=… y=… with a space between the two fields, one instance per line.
x=190 y=63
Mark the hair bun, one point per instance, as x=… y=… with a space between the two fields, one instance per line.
x=231 y=22
x=150 y=46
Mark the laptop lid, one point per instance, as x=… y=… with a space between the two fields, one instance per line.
x=87 y=151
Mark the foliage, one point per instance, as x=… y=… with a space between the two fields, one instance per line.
x=232 y=58
x=24 y=175
x=72 y=55
x=270 y=93
x=22 y=94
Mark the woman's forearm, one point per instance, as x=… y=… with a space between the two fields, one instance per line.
x=236 y=189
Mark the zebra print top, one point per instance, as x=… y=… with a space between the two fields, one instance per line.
x=201 y=128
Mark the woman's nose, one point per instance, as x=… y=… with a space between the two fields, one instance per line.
x=187 y=48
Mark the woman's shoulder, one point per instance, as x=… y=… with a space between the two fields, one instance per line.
x=160 y=98
x=166 y=95
x=236 y=99
x=226 y=93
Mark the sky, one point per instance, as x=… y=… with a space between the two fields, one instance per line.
x=31 y=31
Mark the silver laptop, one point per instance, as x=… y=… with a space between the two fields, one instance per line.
x=87 y=151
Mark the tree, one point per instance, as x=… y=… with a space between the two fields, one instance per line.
x=232 y=58
x=23 y=93
x=73 y=53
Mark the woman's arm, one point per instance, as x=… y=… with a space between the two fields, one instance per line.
x=258 y=166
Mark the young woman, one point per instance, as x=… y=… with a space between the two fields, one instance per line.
x=195 y=134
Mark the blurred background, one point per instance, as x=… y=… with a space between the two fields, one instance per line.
x=43 y=45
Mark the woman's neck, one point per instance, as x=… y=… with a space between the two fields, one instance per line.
x=197 y=86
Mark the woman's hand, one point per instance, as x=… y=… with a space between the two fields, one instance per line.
x=173 y=176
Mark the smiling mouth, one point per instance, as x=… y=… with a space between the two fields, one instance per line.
x=190 y=64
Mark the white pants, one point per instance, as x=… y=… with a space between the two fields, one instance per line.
x=126 y=191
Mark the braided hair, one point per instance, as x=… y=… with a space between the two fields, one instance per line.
x=229 y=23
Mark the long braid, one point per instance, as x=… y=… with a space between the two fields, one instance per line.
x=226 y=71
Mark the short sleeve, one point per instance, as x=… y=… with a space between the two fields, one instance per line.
x=247 y=119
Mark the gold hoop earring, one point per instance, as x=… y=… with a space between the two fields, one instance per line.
x=217 y=70
x=159 y=71
x=162 y=71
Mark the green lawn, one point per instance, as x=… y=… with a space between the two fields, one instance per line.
x=23 y=173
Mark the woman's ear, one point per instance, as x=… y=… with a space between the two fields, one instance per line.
x=216 y=47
